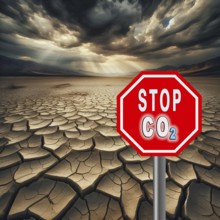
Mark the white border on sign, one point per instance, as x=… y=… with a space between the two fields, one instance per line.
x=160 y=76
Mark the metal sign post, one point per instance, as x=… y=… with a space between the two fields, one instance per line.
x=159 y=188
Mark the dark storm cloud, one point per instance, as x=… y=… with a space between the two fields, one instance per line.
x=199 y=29
x=106 y=21
x=28 y=18
x=145 y=29
x=96 y=20
x=100 y=20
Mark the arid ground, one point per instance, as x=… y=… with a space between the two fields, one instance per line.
x=61 y=157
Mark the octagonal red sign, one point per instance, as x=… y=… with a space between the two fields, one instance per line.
x=159 y=113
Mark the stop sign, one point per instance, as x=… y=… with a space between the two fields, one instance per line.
x=159 y=113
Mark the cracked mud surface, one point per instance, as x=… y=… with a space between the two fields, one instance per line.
x=61 y=157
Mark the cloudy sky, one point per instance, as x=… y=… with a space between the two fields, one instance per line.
x=110 y=37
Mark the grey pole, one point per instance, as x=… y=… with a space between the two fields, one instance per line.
x=159 y=188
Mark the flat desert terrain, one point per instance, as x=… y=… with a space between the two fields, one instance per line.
x=62 y=158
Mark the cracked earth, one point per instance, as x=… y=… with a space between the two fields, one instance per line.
x=61 y=157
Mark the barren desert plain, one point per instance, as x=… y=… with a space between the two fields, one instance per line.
x=62 y=158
